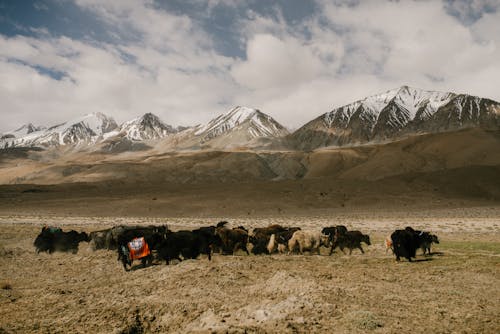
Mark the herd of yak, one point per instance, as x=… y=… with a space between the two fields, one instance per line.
x=145 y=242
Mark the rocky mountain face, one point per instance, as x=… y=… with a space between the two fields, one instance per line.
x=383 y=117
x=396 y=113
x=252 y=121
x=87 y=129
x=22 y=131
x=146 y=127
x=240 y=126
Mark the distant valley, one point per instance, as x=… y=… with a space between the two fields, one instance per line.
x=403 y=147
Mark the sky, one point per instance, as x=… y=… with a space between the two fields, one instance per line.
x=189 y=61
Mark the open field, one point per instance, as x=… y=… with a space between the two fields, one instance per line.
x=456 y=290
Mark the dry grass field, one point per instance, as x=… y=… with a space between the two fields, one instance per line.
x=456 y=290
x=447 y=183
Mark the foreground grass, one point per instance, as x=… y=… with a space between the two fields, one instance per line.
x=455 y=290
x=472 y=246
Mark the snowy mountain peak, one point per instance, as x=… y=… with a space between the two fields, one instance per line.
x=22 y=131
x=407 y=100
x=85 y=129
x=146 y=127
x=240 y=114
x=401 y=111
x=227 y=121
x=252 y=121
x=28 y=128
x=95 y=122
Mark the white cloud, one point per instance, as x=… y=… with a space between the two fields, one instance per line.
x=167 y=64
x=364 y=49
x=273 y=63
x=174 y=72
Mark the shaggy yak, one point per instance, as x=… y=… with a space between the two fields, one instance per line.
x=307 y=241
x=53 y=239
x=351 y=240
x=138 y=243
x=279 y=241
x=261 y=236
x=426 y=239
x=232 y=239
x=331 y=231
x=189 y=244
x=135 y=249
x=405 y=243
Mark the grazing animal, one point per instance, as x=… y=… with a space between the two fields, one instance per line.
x=351 y=240
x=425 y=240
x=261 y=237
x=189 y=244
x=331 y=231
x=209 y=239
x=137 y=248
x=54 y=239
x=279 y=241
x=108 y=238
x=307 y=241
x=260 y=245
x=98 y=239
x=232 y=239
x=267 y=231
x=405 y=243
x=124 y=235
x=153 y=234
x=427 y=246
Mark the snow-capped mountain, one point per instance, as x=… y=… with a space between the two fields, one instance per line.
x=240 y=127
x=394 y=113
x=22 y=131
x=87 y=129
x=146 y=127
x=382 y=117
x=251 y=122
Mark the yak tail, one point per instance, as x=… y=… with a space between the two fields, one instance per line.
x=271 y=245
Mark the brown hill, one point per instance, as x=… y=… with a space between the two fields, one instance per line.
x=429 y=170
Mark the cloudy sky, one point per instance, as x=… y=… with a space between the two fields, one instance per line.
x=190 y=60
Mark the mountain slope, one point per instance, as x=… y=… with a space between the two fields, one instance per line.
x=397 y=112
x=146 y=127
x=22 y=131
x=427 y=153
x=252 y=121
x=239 y=127
x=87 y=129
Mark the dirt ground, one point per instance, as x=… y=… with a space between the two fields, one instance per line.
x=456 y=290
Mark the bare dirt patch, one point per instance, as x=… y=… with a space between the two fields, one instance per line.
x=453 y=291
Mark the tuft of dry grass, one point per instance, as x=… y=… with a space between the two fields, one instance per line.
x=5 y=286
x=364 y=320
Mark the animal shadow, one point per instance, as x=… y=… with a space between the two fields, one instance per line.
x=423 y=260
x=140 y=266
x=436 y=254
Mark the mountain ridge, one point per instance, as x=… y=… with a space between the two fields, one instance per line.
x=395 y=113
x=385 y=116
